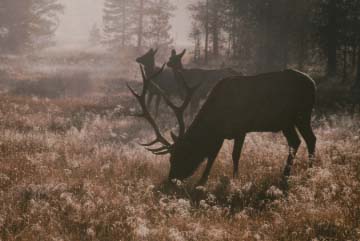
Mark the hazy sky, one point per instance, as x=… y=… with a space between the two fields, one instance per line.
x=80 y=15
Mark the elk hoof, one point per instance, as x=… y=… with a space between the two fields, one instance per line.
x=287 y=171
x=202 y=182
x=311 y=161
x=284 y=184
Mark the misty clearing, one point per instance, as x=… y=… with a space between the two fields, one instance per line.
x=171 y=120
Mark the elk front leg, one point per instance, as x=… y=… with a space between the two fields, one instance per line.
x=238 y=144
x=194 y=105
x=149 y=100
x=211 y=158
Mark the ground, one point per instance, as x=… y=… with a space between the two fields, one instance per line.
x=71 y=169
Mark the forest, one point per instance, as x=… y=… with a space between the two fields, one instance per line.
x=179 y=120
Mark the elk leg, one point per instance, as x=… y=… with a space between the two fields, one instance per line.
x=307 y=133
x=238 y=144
x=194 y=105
x=294 y=143
x=149 y=100
x=211 y=158
x=157 y=104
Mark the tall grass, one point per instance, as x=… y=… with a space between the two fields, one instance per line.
x=71 y=171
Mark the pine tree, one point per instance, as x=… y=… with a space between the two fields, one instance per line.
x=118 y=23
x=137 y=23
x=158 y=33
x=200 y=14
x=28 y=24
x=140 y=11
x=195 y=36
x=95 y=35
x=210 y=14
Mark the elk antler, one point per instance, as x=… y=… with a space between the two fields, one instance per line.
x=166 y=146
x=179 y=110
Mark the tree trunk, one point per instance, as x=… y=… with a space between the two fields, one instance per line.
x=355 y=91
x=332 y=38
x=207 y=33
x=357 y=81
x=353 y=59
x=332 y=61
x=140 y=25
x=215 y=30
x=232 y=44
x=123 y=37
x=285 y=52
x=345 y=56
x=215 y=42
x=302 y=53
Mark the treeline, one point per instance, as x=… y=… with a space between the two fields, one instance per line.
x=266 y=35
x=28 y=24
x=137 y=23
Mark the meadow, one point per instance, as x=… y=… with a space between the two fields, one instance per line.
x=71 y=169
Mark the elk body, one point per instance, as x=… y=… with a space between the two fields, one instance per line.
x=165 y=80
x=205 y=78
x=273 y=102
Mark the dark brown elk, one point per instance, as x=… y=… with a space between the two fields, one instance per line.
x=165 y=80
x=279 y=101
x=205 y=78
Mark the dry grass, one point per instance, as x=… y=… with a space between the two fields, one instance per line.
x=70 y=170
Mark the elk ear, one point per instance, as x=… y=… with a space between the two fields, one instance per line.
x=183 y=53
x=155 y=51
x=173 y=53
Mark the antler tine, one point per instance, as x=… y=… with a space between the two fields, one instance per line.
x=179 y=110
x=190 y=91
x=145 y=112
x=159 y=151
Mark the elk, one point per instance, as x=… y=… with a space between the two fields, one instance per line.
x=207 y=78
x=272 y=102
x=165 y=80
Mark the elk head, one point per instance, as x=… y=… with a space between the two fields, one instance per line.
x=175 y=61
x=180 y=158
x=147 y=59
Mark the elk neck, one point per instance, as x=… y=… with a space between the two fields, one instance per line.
x=201 y=136
x=150 y=68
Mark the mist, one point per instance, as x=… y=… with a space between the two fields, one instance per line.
x=81 y=15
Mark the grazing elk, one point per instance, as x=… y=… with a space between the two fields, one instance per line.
x=272 y=102
x=165 y=80
x=207 y=79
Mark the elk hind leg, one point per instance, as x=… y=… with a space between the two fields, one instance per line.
x=294 y=142
x=305 y=129
x=238 y=144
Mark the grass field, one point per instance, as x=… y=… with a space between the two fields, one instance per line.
x=70 y=169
